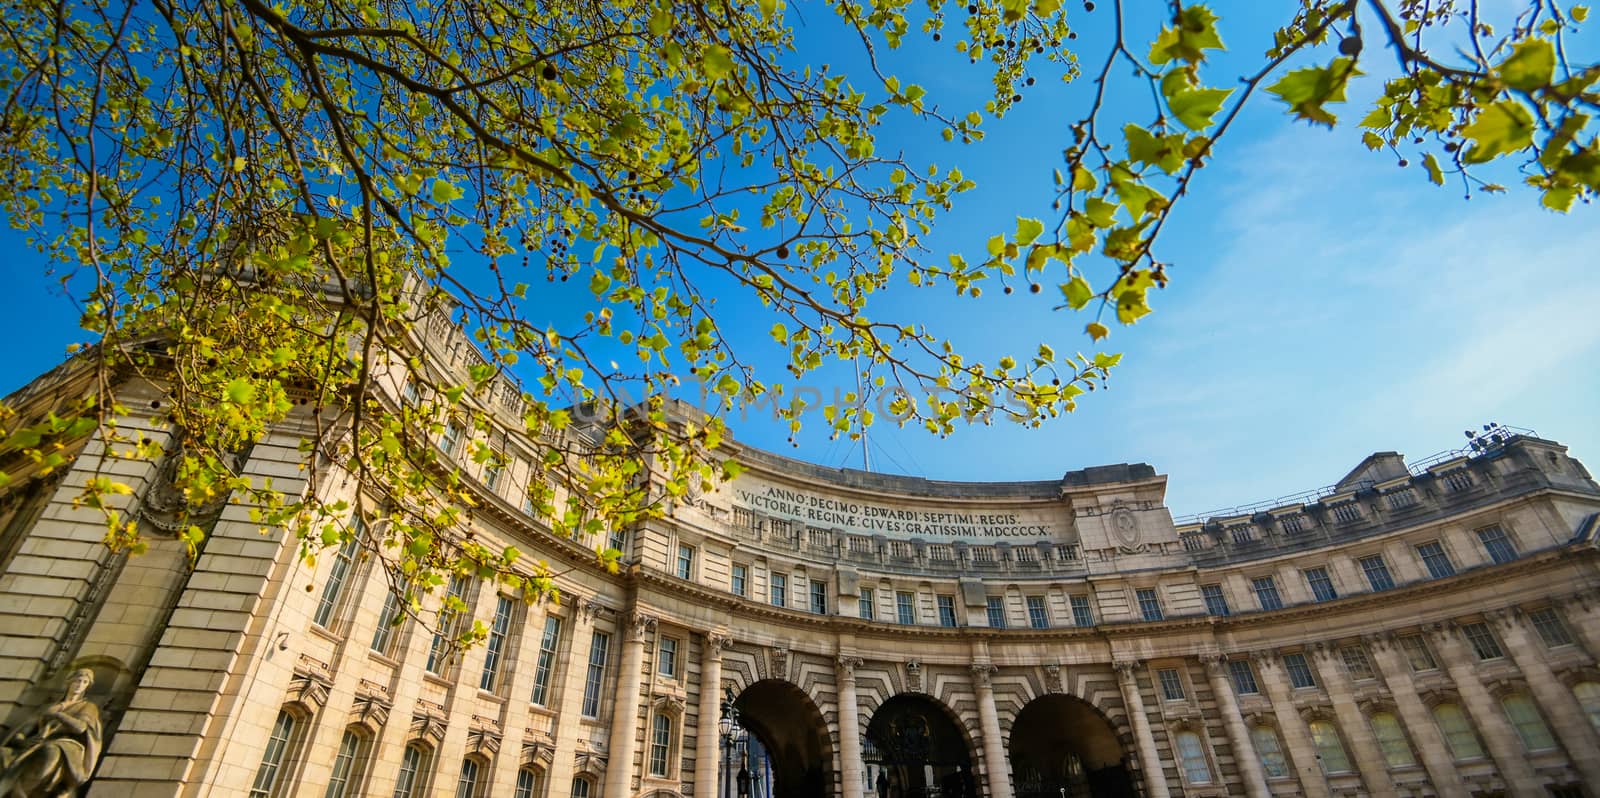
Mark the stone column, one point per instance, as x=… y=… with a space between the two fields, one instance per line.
x=625 y=715
x=1292 y=727
x=707 y=746
x=1356 y=731
x=1155 y=777
x=994 y=750
x=1430 y=744
x=1567 y=717
x=1504 y=746
x=849 y=728
x=1244 y=752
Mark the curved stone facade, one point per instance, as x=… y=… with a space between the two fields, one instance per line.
x=1411 y=631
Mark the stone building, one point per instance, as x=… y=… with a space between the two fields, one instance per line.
x=1421 y=630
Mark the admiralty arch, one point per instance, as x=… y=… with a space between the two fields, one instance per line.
x=1415 y=629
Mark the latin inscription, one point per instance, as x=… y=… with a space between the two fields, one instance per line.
x=884 y=519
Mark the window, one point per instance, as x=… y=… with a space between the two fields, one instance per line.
x=468 y=786
x=389 y=620
x=1392 y=740
x=1038 y=613
x=1530 y=726
x=595 y=678
x=1321 y=585
x=451 y=438
x=1216 y=602
x=780 y=589
x=337 y=574
x=527 y=784
x=1377 y=572
x=868 y=599
x=413 y=772
x=667 y=657
x=1082 y=615
x=660 y=745
x=493 y=470
x=905 y=607
x=1588 y=695
x=1457 y=732
x=1417 y=653
x=347 y=766
x=1330 y=749
x=266 y=783
x=441 y=652
x=1356 y=663
x=1497 y=544
x=1436 y=561
x=1244 y=679
x=1149 y=603
x=947 y=610
x=1482 y=641
x=995 y=606
x=1171 y=684
x=546 y=663
x=580 y=787
x=618 y=540
x=739 y=580
x=1299 y=672
x=410 y=392
x=685 y=561
x=1269 y=752
x=1267 y=593
x=494 y=649
x=1550 y=628
x=1192 y=753
x=819 y=597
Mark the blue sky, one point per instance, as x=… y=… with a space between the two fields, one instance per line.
x=1325 y=304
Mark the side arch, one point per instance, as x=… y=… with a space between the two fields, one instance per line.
x=792 y=744
x=1062 y=745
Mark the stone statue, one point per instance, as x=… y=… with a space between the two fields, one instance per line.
x=55 y=752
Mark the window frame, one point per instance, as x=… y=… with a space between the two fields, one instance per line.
x=1299 y=670
x=1374 y=566
x=1274 y=763
x=1324 y=744
x=739 y=580
x=1191 y=750
x=1082 y=610
x=494 y=649
x=946 y=605
x=1452 y=733
x=330 y=605
x=1216 y=600
x=994 y=609
x=778 y=585
x=1241 y=668
x=683 y=565
x=414 y=784
x=1550 y=627
x=1171 y=683
x=595 y=674
x=1149 y=601
x=1320 y=582
x=817 y=595
x=1038 y=612
x=1435 y=560
x=867 y=604
x=905 y=607
x=1493 y=536
x=278 y=757
x=658 y=763
x=1394 y=743
x=667 y=656
x=1266 y=589
x=1483 y=642
x=355 y=761
x=545 y=663
x=1530 y=725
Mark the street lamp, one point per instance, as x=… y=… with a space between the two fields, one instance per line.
x=732 y=736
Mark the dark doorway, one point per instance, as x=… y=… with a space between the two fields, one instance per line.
x=916 y=743
x=1062 y=747
x=796 y=750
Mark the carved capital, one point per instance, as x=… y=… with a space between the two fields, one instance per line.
x=1380 y=641
x=1506 y=621
x=847 y=665
x=982 y=673
x=639 y=624
x=1127 y=670
x=1216 y=664
x=1265 y=658
x=717 y=642
x=589 y=608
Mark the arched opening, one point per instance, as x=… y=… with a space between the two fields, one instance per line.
x=791 y=755
x=919 y=750
x=1063 y=746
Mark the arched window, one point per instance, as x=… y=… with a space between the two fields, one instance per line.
x=471 y=782
x=580 y=787
x=1588 y=694
x=339 y=575
x=1392 y=740
x=269 y=774
x=527 y=783
x=1270 y=752
x=1524 y=716
x=660 y=744
x=1457 y=731
x=1192 y=753
x=413 y=772
x=1330 y=749
x=349 y=765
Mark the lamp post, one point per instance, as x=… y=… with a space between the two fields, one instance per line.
x=732 y=736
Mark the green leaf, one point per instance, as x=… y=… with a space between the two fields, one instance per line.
x=1195 y=33
x=1559 y=198
x=1096 y=330
x=1077 y=292
x=1501 y=128
x=444 y=192
x=1530 y=66
x=1195 y=107
x=239 y=391
x=1432 y=165
x=718 y=62
x=1307 y=90
x=1028 y=231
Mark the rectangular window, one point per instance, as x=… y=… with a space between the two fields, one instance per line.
x=442 y=652
x=1437 y=562
x=1299 y=671
x=1244 y=679
x=1171 y=684
x=492 y=471
x=667 y=657
x=1082 y=614
x=1377 y=572
x=1038 y=613
x=868 y=603
x=685 y=561
x=947 y=610
x=819 y=597
x=995 y=606
x=599 y=649
x=1417 y=653
x=451 y=439
x=494 y=649
x=1267 y=593
x=389 y=620
x=1216 y=602
x=1482 y=641
x=1149 y=603
x=343 y=562
x=1497 y=544
x=660 y=745
x=1321 y=584
x=780 y=590
x=905 y=607
x=1356 y=663
x=739 y=580
x=1550 y=628
x=619 y=541
x=410 y=393
x=266 y=783
x=545 y=665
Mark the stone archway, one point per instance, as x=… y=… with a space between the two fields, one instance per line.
x=793 y=750
x=920 y=747
x=1062 y=746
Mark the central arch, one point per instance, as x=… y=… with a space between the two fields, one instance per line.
x=1063 y=746
x=793 y=748
x=920 y=749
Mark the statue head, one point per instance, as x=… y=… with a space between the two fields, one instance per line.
x=79 y=683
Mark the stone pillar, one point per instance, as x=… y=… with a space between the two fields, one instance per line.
x=707 y=746
x=849 y=728
x=1504 y=746
x=1567 y=717
x=1430 y=744
x=1356 y=730
x=625 y=715
x=1244 y=752
x=1155 y=777
x=1292 y=727
x=994 y=750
